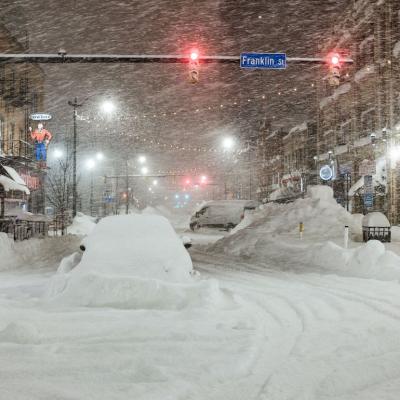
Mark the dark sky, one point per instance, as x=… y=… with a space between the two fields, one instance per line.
x=225 y=27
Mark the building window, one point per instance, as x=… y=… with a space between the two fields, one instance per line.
x=368 y=122
x=345 y=133
x=1 y=135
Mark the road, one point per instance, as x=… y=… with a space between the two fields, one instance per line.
x=263 y=334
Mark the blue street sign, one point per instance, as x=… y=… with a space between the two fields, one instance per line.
x=368 y=200
x=263 y=60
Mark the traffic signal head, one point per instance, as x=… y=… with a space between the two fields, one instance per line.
x=194 y=55
x=194 y=67
x=335 y=59
x=334 y=66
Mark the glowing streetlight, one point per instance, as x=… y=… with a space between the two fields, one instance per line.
x=228 y=143
x=58 y=153
x=100 y=156
x=155 y=182
x=144 y=170
x=90 y=164
x=142 y=159
x=395 y=154
x=108 y=107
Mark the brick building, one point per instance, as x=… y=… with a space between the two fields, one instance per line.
x=358 y=121
x=21 y=93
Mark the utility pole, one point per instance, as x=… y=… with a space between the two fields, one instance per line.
x=75 y=105
x=127 y=186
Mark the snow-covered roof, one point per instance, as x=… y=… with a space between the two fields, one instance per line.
x=396 y=49
x=13 y=181
x=10 y=184
x=299 y=128
x=14 y=175
x=362 y=73
x=338 y=92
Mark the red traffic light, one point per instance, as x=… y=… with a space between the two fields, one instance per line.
x=194 y=55
x=334 y=59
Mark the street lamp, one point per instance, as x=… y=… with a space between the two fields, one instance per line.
x=90 y=164
x=57 y=153
x=155 y=182
x=107 y=107
x=142 y=159
x=228 y=143
x=99 y=156
x=144 y=170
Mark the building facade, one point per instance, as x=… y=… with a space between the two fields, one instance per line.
x=21 y=93
x=357 y=126
x=359 y=120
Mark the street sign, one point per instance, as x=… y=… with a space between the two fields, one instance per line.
x=263 y=60
x=368 y=200
x=326 y=173
x=345 y=169
x=368 y=191
x=40 y=117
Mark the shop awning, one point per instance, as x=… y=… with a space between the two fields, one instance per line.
x=10 y=180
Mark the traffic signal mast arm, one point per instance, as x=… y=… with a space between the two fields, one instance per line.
x=63 y=57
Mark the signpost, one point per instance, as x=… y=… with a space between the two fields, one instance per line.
x=40 y=117
x=263 y=60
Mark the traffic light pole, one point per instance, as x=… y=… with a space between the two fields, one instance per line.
x=63 y=57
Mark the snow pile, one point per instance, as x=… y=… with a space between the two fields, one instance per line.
x=371 y=260
x=271 y=237
x=319 y=212
x=39 y=253
x=82 y=225
x=131 y=261
x=178 y=217
x=19 y=333
x=395 y=231
x=8 y=256
x=376 y=219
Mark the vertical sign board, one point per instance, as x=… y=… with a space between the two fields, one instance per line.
x=263 y=60
x=368 y=191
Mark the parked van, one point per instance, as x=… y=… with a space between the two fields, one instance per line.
x=225 y=214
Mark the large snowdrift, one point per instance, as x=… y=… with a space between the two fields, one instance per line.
x=34 y=252
x=131 y=261
x=178 y=217
x=271 y=237
x=82 y=225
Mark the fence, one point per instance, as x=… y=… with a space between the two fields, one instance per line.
x=22 y=229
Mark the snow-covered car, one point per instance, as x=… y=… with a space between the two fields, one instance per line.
x=225 y=214
x=139 y=245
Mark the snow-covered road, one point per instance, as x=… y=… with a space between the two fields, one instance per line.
x=274 y=335
x=322 y=336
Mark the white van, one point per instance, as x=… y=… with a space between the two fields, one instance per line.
x=224 y=214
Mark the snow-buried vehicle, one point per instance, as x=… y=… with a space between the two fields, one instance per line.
x=132 y=261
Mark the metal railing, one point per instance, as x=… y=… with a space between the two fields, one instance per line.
x=22 y=229
x=16 y=148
